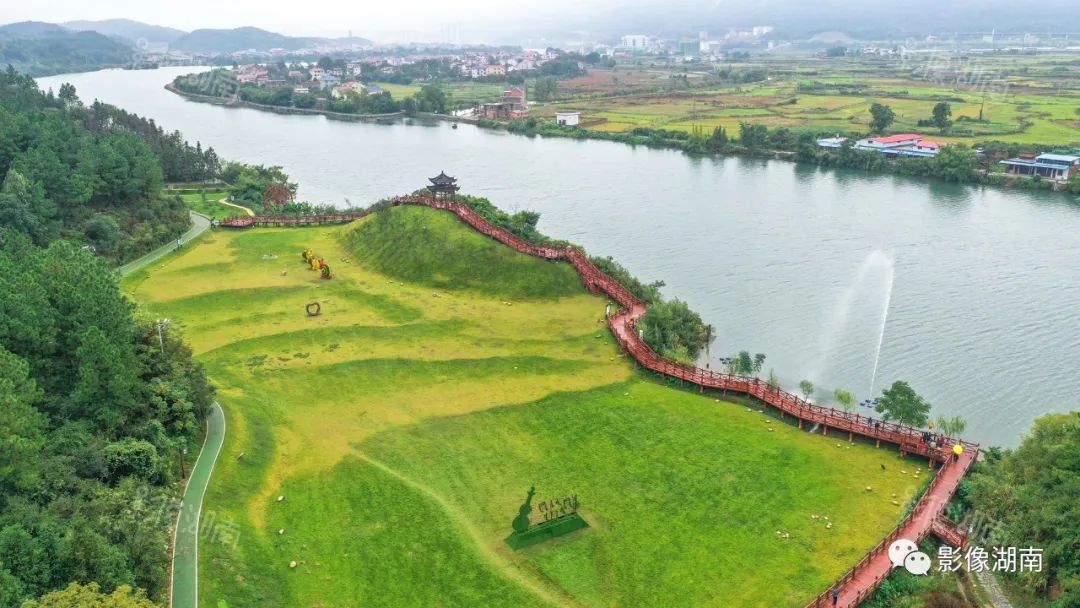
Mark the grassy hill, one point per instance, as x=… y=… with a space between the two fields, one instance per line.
x=413 y=244
x=401 y=428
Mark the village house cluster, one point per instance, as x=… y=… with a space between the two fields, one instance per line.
x=704 y=47
x=304 y=78
x=468 y=64
x=475 y=64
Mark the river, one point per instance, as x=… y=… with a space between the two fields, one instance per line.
x=972 y=293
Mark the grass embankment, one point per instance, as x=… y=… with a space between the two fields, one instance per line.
x=403 y=425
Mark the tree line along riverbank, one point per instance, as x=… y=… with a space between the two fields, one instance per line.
x=957 y=163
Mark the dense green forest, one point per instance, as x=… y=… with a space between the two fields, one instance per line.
x=1030 y=496
x=90 y=174
x=96 y=408
x=41 y=49
x=98 y=405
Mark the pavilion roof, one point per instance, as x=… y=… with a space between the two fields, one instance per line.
x=442 y=179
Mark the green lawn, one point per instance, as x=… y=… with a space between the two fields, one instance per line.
x=399 y=91
x=206 y=203
x=403 y=425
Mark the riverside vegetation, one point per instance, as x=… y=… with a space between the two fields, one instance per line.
x=96 y=406
x=96 y=411
x=92 y=174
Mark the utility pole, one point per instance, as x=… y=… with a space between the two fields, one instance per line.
x=161 y=325
x=180 y=456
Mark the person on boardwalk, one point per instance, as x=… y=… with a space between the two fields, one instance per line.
x=835 y=595
x=178 y=242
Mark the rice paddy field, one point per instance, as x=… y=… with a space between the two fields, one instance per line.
x=1022 y=99
x=376 y=453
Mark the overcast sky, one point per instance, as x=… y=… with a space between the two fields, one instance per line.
x=501 y=21
x=310 y=18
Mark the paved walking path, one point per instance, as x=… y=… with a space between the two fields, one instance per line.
x=185 y=565
x=199 y=225
x=184 y=582
x=998 y=599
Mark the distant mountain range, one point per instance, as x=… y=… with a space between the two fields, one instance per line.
x=46 y=48
x=39 y=48
x=133 y=33
x=140 y=36
x=252 y=38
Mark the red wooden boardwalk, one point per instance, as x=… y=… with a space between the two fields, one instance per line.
x=856 y=584
x=927 y=517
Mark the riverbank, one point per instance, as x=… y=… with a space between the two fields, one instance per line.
x=955 y=169
x=950 y=168
x=235 y=102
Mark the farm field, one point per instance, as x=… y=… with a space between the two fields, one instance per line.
x=385 y=444
x=400 y=91
x=1021 y=99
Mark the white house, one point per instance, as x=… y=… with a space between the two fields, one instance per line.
x=567 y=119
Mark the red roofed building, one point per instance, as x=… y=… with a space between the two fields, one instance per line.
x=900 y=139
x=901 y=144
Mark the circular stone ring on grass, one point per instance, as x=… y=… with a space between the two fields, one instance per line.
x=313 y=309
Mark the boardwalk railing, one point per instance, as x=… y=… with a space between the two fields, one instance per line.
x=924 y=519
x=250 y=221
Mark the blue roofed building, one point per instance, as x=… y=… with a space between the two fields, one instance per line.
x=1060 y=167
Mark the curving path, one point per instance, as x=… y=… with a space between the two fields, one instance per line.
x=247 y=212
x=199 y=225
x=185 y=564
